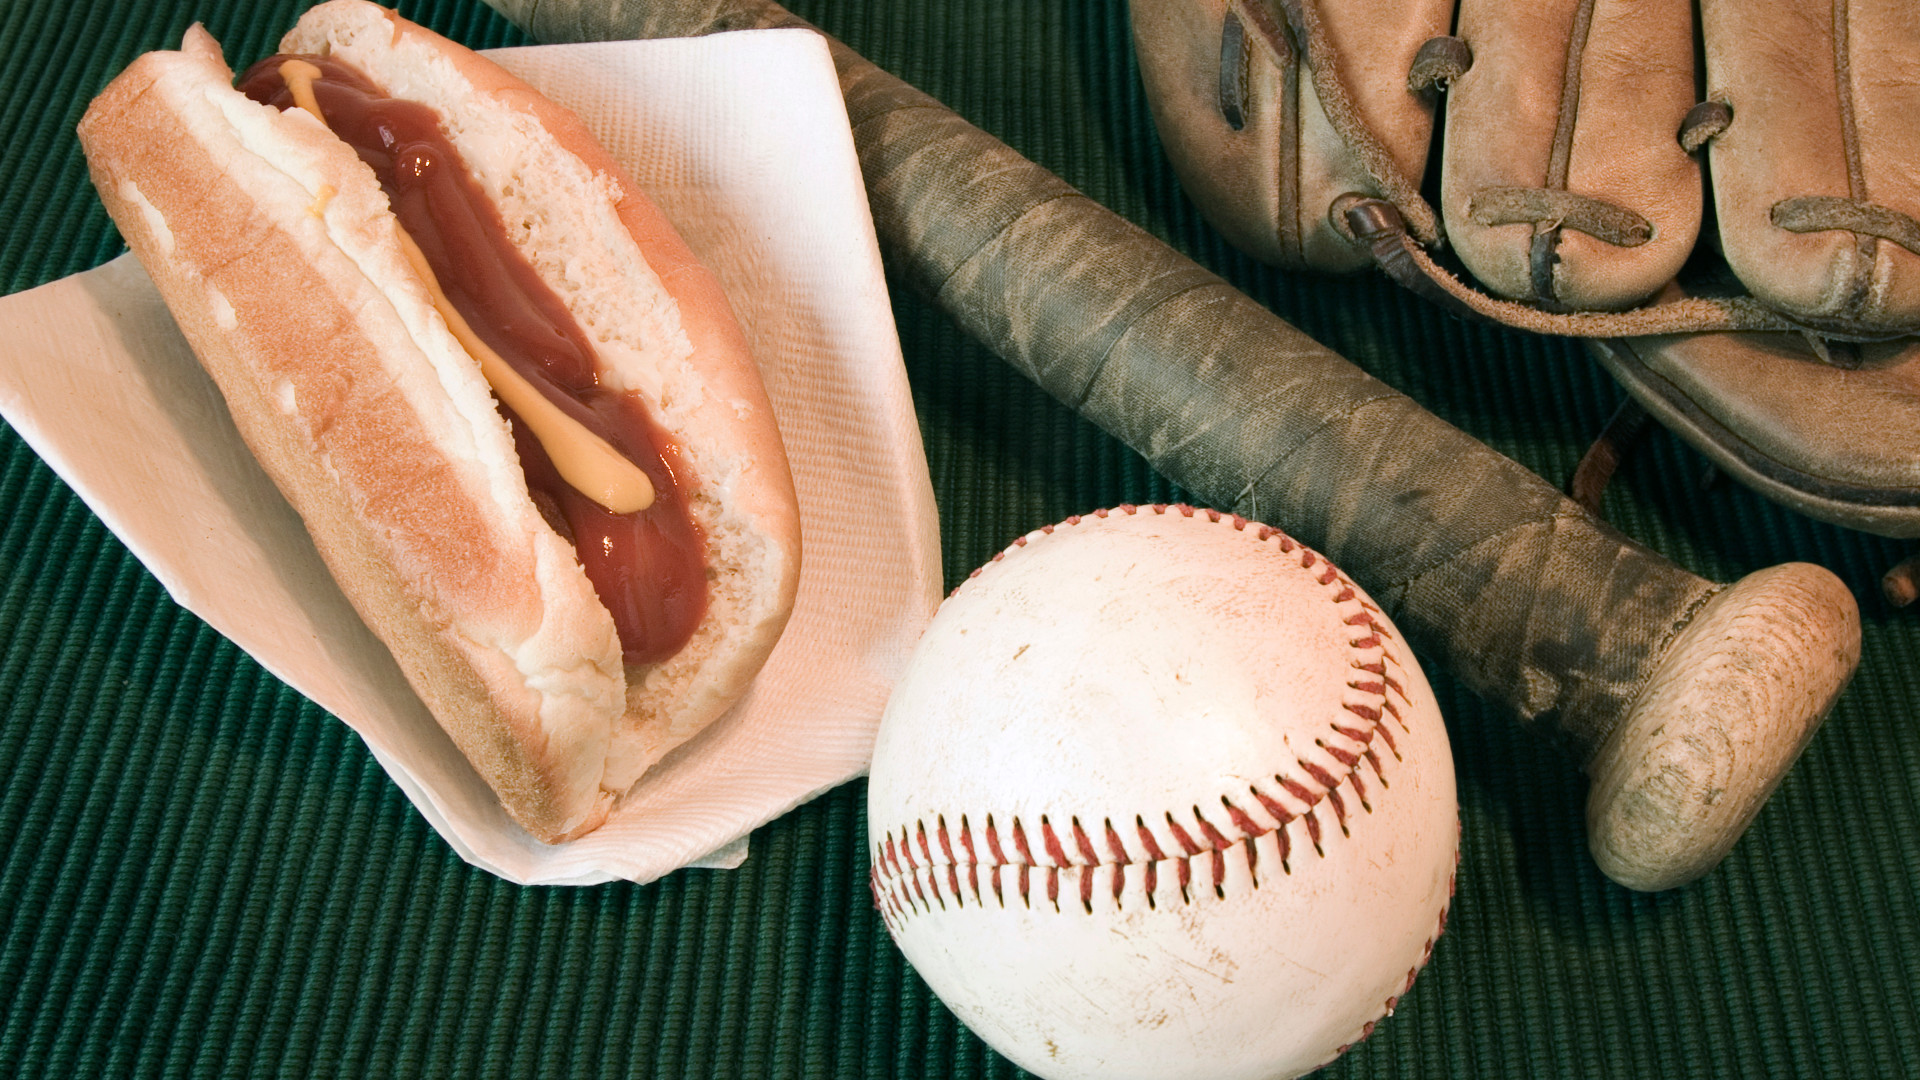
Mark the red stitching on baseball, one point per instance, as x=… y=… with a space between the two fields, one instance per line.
x=1386 y=736
x=1180 y=835
x=1147 y=841
x=1273 y=808
x=1121 y=860
x=1360 y=789
x=1339 y=809
x=1114 y=847
x=1240 y=819
x=1051 y=841
x=953 y=864
x=901 y=902
x=1344 y=757
x=1320 y=776
x=1085 y=844
x=1214 y=839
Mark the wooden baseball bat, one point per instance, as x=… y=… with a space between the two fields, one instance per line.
x=1684 y=700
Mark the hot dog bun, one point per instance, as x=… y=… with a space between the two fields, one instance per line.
x=278 y=255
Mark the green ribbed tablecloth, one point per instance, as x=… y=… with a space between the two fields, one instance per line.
x=205 y=875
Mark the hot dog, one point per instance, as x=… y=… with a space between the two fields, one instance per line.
x=516 y=414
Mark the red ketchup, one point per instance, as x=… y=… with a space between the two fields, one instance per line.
x=649 y=567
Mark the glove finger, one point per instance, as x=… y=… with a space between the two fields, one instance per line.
x=1562 y=182
x=1265 y=144
x=1814 y=181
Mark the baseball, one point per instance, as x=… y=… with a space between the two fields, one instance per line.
x=1163 y=794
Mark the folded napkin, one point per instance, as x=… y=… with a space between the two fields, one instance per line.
x=743 y=140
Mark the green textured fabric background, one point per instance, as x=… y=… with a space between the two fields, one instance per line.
x=205 y=875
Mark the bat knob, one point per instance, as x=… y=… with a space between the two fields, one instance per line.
x=1737 y=695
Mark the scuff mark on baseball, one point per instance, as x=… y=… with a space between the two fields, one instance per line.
x=1163 y=794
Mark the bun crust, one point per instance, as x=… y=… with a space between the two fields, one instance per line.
x=276 y=252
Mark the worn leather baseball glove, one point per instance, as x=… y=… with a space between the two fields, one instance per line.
x=1720 y=195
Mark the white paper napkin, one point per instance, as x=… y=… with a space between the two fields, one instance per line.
x=743 y=140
